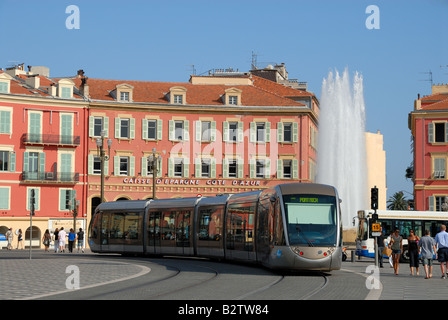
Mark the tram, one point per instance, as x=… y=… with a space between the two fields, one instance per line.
x=290 y=226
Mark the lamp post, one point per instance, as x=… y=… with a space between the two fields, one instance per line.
x=153 y=159
x=75 y=205
x=103 y=157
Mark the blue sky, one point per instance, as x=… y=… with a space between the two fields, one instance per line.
x=160 y=40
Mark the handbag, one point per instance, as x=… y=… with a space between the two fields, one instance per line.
x=387 y=252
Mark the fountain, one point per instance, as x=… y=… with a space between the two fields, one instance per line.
x=341 y=150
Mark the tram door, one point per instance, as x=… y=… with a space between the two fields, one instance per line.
x=104 y=236
x=183 y=233
x=153 y=246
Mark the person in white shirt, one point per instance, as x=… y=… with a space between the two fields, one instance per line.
x=62 y=235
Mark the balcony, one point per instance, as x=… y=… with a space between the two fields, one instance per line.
x=50 y=177
x=50 y=139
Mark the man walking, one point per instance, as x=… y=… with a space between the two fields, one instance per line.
x=428 y=249
x=442 y=244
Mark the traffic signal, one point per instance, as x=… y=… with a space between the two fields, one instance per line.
x=374 y=198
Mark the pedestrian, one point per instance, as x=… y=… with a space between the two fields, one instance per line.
x=442 y=245
x=61 y=237
x=413 y=251
x=46 y=239
x=9 y=237
x=80 y=240
x=396 y=244
x=380 y=241
x=71 y=240
x=56 y=240
x=428 y=249
x=20 y=239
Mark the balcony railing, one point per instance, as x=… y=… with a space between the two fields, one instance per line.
x=51 y=139
x=64 y=177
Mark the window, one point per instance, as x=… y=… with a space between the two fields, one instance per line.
x=233 y=168
x=438 y=132
x=260 y=167
x=287 y=132
x=178 y=98
x=124 y=166
x=97 y=126
x=233 y=100
x=66 y=199
x=4 y=87
x=36 y=199
x=5 y=122
x=287 y=169
x=152 y=129
x=4 y=161
x=178 y=167
x=439 y=169
x=205 y=130
x=178 y=130
x=205 y=168
x=96 y=165
x=4 y=197
x=124 y=96
x=66 y=93
x=233 y=131
x=261 y=132
x=124 y=128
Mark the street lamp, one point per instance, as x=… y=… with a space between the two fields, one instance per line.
x=153 y=160
x=75 y=205
x=103 y=157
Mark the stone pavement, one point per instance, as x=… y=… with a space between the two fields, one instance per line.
x=48 y=273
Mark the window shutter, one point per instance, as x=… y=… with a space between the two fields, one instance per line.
x=240 y=165
x=186 y=167
x=144 y=166
x=225 y=168
x=446 y=131
x=159 y=167
x=279 y=169
x=240 y=136
x=132 y=166
x=91 y=126
x=253 y=132
x=197 y=167
x=62 y=199
x=42 y=164
x=90 y=164
x=295 y=132
x=213 y=131
x=198 y=130
x=26 y=163
x=295 y=169
x=225 y=131
x=159 y=129
x=4 y=198
x=12 y=160
x=117 y=128
x=132 y=128
x=106 y=126
x=279 y=133
x=431 y=203
x=170 y=167
x=267 y=168
x=116 y=165
x=171 y=130
x=268 y=132
x=144 y=129
x=213 y=168
x=106 y=167
x=431 y=132
x=186 y=130
x=252 y=166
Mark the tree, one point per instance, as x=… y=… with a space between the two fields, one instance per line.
x=397 y=202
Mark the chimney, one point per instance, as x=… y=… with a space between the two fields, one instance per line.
x=33 y=82
x=84 y=88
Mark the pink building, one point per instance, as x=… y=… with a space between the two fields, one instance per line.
x=429 y=126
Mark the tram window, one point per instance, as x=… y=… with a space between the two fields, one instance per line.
x=168 y=230
x=240 y=226
x=105 y=228
x=117 y=226
x=132 y=226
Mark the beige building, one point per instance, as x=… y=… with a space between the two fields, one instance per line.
x=376 y=167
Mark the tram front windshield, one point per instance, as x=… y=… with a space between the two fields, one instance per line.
x=311 y=219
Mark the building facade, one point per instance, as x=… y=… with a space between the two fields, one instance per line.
x=428 y=123
x=227 y=132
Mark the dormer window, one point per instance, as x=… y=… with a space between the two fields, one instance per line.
x=232 y=97
x=65 y=88
x=124 y=92
x=5 y=83
x=178 y=95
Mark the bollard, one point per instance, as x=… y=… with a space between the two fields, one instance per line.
x=352 y=255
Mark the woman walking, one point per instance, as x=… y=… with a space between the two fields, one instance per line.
x=413 y=251
x=396 y=244
x=46 y=240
